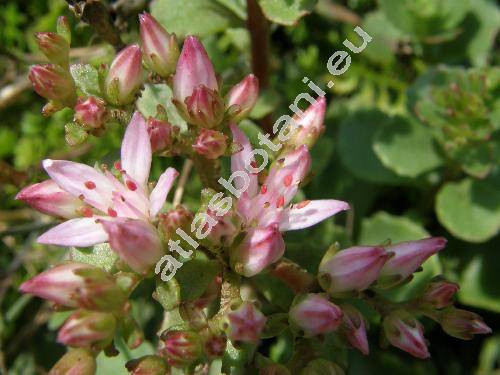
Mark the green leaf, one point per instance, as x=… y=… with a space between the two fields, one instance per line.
x=198 y=17
x=406 y=147
x=86 y=78
x=100 y=256
x=168 y=294
x=469 y=209
x=286 y=12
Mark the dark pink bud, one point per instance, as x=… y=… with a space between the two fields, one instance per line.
x=243 y=96
x=463 y=324
x=406 y=333
x=160 y=134
x=147 y=365
x=210 y=143
x=315 y=314
x=353 y=328
x=90 y=112
x=310 y=124
x=125 y=76
x=160 y=49
x=439 y=293
x=53 y=83
x=75 y=362
x=215 y=346
x=54 y=46
x=246 y=323
x=181 y=348
x=204 y=107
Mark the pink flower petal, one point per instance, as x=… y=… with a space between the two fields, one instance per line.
x=239 y=160
x=159 y=194
x=75 y=232
x=309 y=213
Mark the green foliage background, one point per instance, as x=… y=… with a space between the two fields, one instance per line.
x=412 y=142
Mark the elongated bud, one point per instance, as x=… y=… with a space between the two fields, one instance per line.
x=439 y=293
x=203 y=108
x=75 y=362
x=352 y=269
x=77 y=285
x=181 y=348
x=53 y=83
x=322 y=366
x=64 y=29
x=353 y=328
x=180 y=217
x=310 y=125
x=242 y=97
x=125 y=76
x=315 y=315
x=88 y=329
x=408 y=257
x=49 y=198
x=125 y=238
x=260 y=248
x=147 y=365
x=463 y=324
x=215 y=346
x=160 y=49
x=160 y=134
x=54 y=46
x=246 y=323
x=90 y=112
x=194 y=68
x=210 y=143
x=406 y=333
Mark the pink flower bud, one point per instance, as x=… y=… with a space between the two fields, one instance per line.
x=125 y=76
x=243 y=97
x=260 y=248
x=89 y=329
x=54 y=46
x=181 y=348
x=77 y=285
x=147 y=365
x=315 y=315
x=210 y=143
x=53 y=83
x=310 y=125
x=352 y=269
x=406 y=333
x=439 y=293
x=246 y=323
x=215 y=346
x=173 y=219
x=75 y=362
x=353 y=328
x=408 y=256
x=463 y=324
x=136 y=242
x=193 y=69
x=160 y=134
x=90 y=112
x=160 y=49
x=49 y=198
x=203 y=108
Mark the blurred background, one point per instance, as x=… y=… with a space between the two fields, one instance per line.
x=412 y=142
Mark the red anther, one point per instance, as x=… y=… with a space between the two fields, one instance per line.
x=112 y=212
x=280 y=202
x=263 y=189
x=117 y=165
x=302 y=204
x=288 y=180
x=87 y=211
x=131 y=185
x=89 y=185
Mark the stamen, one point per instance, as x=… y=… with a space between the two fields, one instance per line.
x=89 y=185
x=263 y=189
x=131 y=185
x=117 y=165
x=266 y=204
x=280 y=202
x=112 y=212
x=288 y=180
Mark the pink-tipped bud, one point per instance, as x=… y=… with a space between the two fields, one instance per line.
x=406 y=333
x=353 y=328
x=322 y=366
x=463 y=324
x=352 y=269
x=88 y=329
x=180 y=217
x=49 y=198
x=246 y=323
x=53 y=83
x=160 y=49
x=203 y=108
x=90 y=112
x=310 y=125
x=125 y=76
x=215 y=346
x=194 y=68
x=260 y=248
x=77 y=285
x=407 y=258
x=147 y=365
x=75 y=362
x=54 y=46
x=210 y=143
x=439 y=293
x=243 y=97
x=136 y=242
x=315 y=315
x=181 y=348
x=160 y=134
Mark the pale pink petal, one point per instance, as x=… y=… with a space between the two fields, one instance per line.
x=240 y=159
x=136 y=150
x=159 y=194
x=75 y=232
x=80 y=180
x=305 y=214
